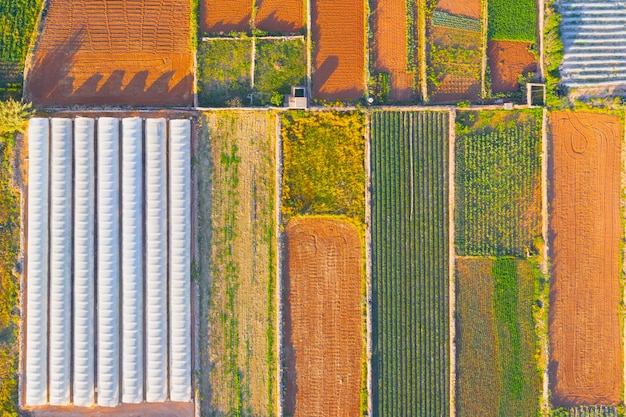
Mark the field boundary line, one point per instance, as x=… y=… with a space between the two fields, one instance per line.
x=623 y=275
x=483 y=58
x=309 y=62
x=279 y=273
x=368 y=259
x=421 y=18
x=252 y=61
x=541 y=8
x=451 y=256
x=247 y=38
x=545 y=395
x=195 y=254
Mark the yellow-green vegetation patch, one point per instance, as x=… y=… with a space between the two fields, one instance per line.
x=323 y=168
x=497 y=371
x=235 y=167
x=224 y=72
x=280 y=64
x=498 y=182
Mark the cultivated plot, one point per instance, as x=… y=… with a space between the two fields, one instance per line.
x=135 y=52
x=236 y=265
x=586 y=363
x=225 y=16
x=280 y=15
x=410 y=333
x=508 y=60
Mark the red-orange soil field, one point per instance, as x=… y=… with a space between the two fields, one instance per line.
x=390 y=46
x=286 y=16
x=507 y=61
x=339 y=58
x=218 y=16
x=586 y=361
x=323 y=340
x=468 y=8
x=94 y=52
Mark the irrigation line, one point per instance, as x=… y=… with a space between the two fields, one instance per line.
x=545 y=348
x=541 y=6
x=309 y=46
x=368 y=259
x=623 y=203
x=252 y=61
x=421 y=17
x=451 y=257
x=484 y=30
x=279 y=275
x=247 y=38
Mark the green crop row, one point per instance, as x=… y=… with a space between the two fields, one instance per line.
x=447 y=20
x=410 y=338
x=512 y=20
x=498 y=194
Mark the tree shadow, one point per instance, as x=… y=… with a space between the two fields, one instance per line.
x=272 y=23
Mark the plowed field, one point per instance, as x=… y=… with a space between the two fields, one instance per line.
x=323 y=341
x=390 y=46
x=508 y=60
x=285 y=16
x=586 y=344
x=469 y=8
x=339 y=58
x=93 y=52
x=225 y=15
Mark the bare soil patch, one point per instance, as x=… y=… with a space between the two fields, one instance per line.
x=323 y=341
x=507 y=61
x=586 y=361
x=339 y=58
x=167 y=409
x=223 y=16
x=286 y=16
x=135 y=52
x=390 y=46
x=469 y=8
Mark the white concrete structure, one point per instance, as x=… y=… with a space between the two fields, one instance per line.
x=84 y=268
x=36 y=369
x=180 y=260
x=132 y=260
x=156 y=260
x=60 y=331
x=108 y=372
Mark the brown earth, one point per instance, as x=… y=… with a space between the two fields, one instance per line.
x=286 y=16
x=323 y=340
x=135 y=52
x=586 y=361
x=390 y=46
x=507 y=61
x=339 y=58
x=225 y=15
x=469 y=8
x=167 y=409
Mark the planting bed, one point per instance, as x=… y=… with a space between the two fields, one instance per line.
x=323 y=318
x=586 y=364
x=225 y=16
x=113 y=53
x=390 y=47
x=285 y=16
x=338 y=28
x=508 y=60
x=470 y=8
x=497 y=373
x=236 y=267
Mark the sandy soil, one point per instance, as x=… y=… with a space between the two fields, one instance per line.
x=469 y=8
x=338 y=29
x=323 y=341
x=390 y=46
x=508 y=60
x=225 y=15
x=168 y=409
x=135 y=52
x=586 y=361
x=286 y=16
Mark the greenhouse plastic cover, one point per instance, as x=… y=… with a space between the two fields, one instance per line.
x=36 y=374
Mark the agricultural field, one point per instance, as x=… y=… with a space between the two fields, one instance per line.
x=339 y=53
x=498 y=182
x=135 y=53
x=236 y=274
x=454 y=53
x=17 y=24
x=225 y=16
x=280 y=16
x=508 y=22
x=409 y=234
x=323 y=338
x=393 y=52
x=586 y=363
x=497 y=374
x=279 y=65
x=508 y=61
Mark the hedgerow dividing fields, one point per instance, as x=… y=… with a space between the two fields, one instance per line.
x=497 y=374
x=410 y=339
x=498 y=182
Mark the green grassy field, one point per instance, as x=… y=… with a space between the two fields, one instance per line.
x=497 y=373
x=410 y=334
x=512 y=20
x=279 y=65
x=236 y=272
x=498 y=175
